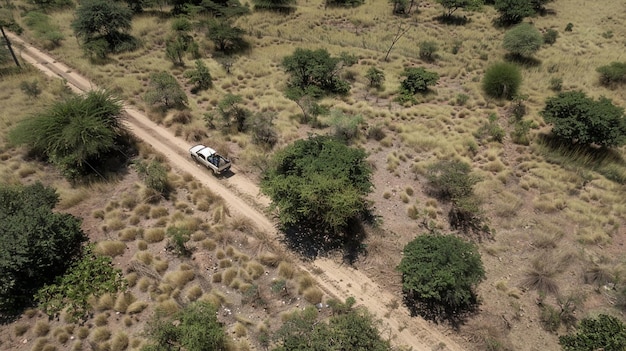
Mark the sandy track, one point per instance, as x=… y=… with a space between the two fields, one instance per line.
x=337 y=280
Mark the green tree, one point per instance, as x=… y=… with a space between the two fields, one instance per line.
x=417 y=80
x=318 y=181
x=197 y=329
x=348 y=329
x=440 y=273
x=233 y=112
x=613 y=74
x=601 y=333
x=101 y=19
x=583 y=120
x=313 y=73
x=452 y=5
x=78 y=134
x=275 y=5
x=164 y=88
x=199 y=77
x=402 y=7
x=502 y=80
x=37 y=244
x=226 y=37
x=91 y=275
x=513 y=11
x=522 y=40
x=176 y=47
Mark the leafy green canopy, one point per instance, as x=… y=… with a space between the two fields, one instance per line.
x=314 y=73
x=101 y=18
x=452 y=5
x=514 y=11
x=92 y=275
x=602 y=333
x=77 y=134
x=441 y=272
x=164 y=88
x=522 y=40
x=583 y=120
x=275 y=5
x=612 y=74
x=197 y=329
x=417 y=80
x=36 y=244
x=319 y=181
x=350 y=329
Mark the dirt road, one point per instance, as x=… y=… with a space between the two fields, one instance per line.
x=337 y=280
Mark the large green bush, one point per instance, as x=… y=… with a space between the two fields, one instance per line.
x=314 y=73
x=604 y=332
x=502 y=80
x=440 y=273
x=522 y=40
x=319 y=182
x=583 y=120
x=36 y=243
x=78 y=134
x=417 y=80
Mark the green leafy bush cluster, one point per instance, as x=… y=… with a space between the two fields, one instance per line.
x=37 y=244
x=91 y=275
x=612 y=74
x=314 y=73
x=582 y=120
x=318 y=181
x=440 y=273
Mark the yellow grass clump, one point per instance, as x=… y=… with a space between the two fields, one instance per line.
x=154 y=235
x=228 y=275
x=286 y=270
x=313 y=294
x=136 y=307
x=179 y=278
x=119 y=342
x=100 y=334
x=110 y=248
x=41 y=328
x=123 y=300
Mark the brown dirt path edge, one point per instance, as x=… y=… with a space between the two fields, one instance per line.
x=337 y=280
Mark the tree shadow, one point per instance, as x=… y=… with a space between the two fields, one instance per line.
x=606 y=161
x=310 y=240
x=454 y=20
x=524 y=61
x=438 y=313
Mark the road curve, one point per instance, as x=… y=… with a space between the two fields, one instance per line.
x=336 y=279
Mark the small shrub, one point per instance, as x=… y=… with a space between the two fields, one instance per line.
x=549 y=37
x=541 y=277
x=417 y=80
x=31 y=89
x=376 y=132
x=569 y=27
x=556 y=84
x=502 y=80
x=20 y=329
x=313 y=295
x=119 y=342
x=492 y=129
x=461 y=99
x=428 y=50
x=522 y=40
x=136 y=307
x=376 y=77
x=286 y=270
x=550 y=318
x=346 y=127
x=612 y=74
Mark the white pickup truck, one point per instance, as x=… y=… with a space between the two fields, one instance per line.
x=210 y=159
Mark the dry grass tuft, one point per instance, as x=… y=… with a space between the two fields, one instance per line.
x=136 y=307
x=286 y=270
x=240 y=330
x=41 y=328
x=130 y=234
x=144 y=257
x=158 y=212
x=269 y=259
x=167 y=307
x=101 y=319
x=254 y=269
x=82 y=332
x=160 y=265
x=119 y=342
x=194 y=293
x=124 y=300
x=179 y=278
x=541 y=276
x=100 y=334
x=154 y=235
x=228 y=275
x=305 y=281
x=110 y=248
x=599 y=275
x=242 y=224
x=313 y=295
x=208 y=244
x=20 y=328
